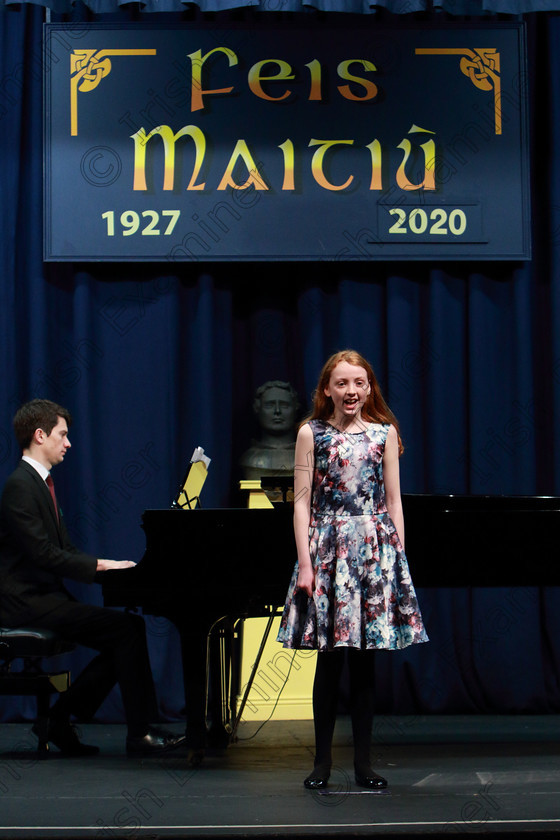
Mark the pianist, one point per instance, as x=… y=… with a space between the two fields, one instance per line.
x=35 y=555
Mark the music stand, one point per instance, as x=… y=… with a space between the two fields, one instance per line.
x=188 y=495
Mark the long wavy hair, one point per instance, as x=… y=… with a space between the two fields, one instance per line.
x=374 y=410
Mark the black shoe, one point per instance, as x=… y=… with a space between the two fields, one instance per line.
x=65 y=737
x=318 y=778
x=154 y=742
x=368 y=779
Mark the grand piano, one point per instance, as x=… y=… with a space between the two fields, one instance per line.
x=206 y=570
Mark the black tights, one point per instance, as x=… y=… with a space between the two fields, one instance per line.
x=325 y=701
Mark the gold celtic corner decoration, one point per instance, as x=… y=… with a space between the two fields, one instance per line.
x=482 y=67
x=87 y=68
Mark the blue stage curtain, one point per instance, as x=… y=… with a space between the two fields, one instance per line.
x=153 y=360
x=360 y=7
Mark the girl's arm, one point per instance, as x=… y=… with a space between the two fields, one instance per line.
x=392 y=482
x=303 y=484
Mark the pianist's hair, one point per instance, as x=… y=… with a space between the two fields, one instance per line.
x=37 y=414
x=375 y=409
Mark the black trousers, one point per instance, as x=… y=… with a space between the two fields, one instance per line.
x=120 y=639
x=325 y=701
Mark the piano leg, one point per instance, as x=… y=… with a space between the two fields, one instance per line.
x=211 y=657
x=222 y=672
x=206 y=660
x=239 y=712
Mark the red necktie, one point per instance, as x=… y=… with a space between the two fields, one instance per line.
x=50 y=485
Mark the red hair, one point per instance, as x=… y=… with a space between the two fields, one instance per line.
x=375 y=409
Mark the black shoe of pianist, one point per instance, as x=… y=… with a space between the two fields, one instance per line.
x=155 y=742
x=65 y=736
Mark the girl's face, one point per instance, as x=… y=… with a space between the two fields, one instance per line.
x=348 y=388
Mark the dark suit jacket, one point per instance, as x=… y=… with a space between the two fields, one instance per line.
x=35 y=551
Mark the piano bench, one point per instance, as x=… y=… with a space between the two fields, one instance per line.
x=32 y=645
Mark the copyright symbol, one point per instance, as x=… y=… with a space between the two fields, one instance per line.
x=101 y=166
x=337 y=792
x=158 y=626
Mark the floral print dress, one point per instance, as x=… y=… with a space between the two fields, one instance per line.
x=364 y=596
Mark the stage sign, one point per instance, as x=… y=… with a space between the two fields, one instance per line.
x=301 y=142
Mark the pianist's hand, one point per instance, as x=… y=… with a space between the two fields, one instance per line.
x=105 y=565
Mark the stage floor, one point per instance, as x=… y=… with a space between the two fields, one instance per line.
x=455 y=775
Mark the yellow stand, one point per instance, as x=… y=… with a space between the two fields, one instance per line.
x=257 y=496
x=280 y=671
x=288 y=673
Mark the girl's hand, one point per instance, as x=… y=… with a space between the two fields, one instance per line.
x=306 y=581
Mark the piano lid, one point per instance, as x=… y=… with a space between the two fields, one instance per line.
x=458 y=540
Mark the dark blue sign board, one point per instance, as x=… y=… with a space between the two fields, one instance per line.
x=302 y=142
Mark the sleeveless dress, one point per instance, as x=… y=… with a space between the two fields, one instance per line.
x=364 y=597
